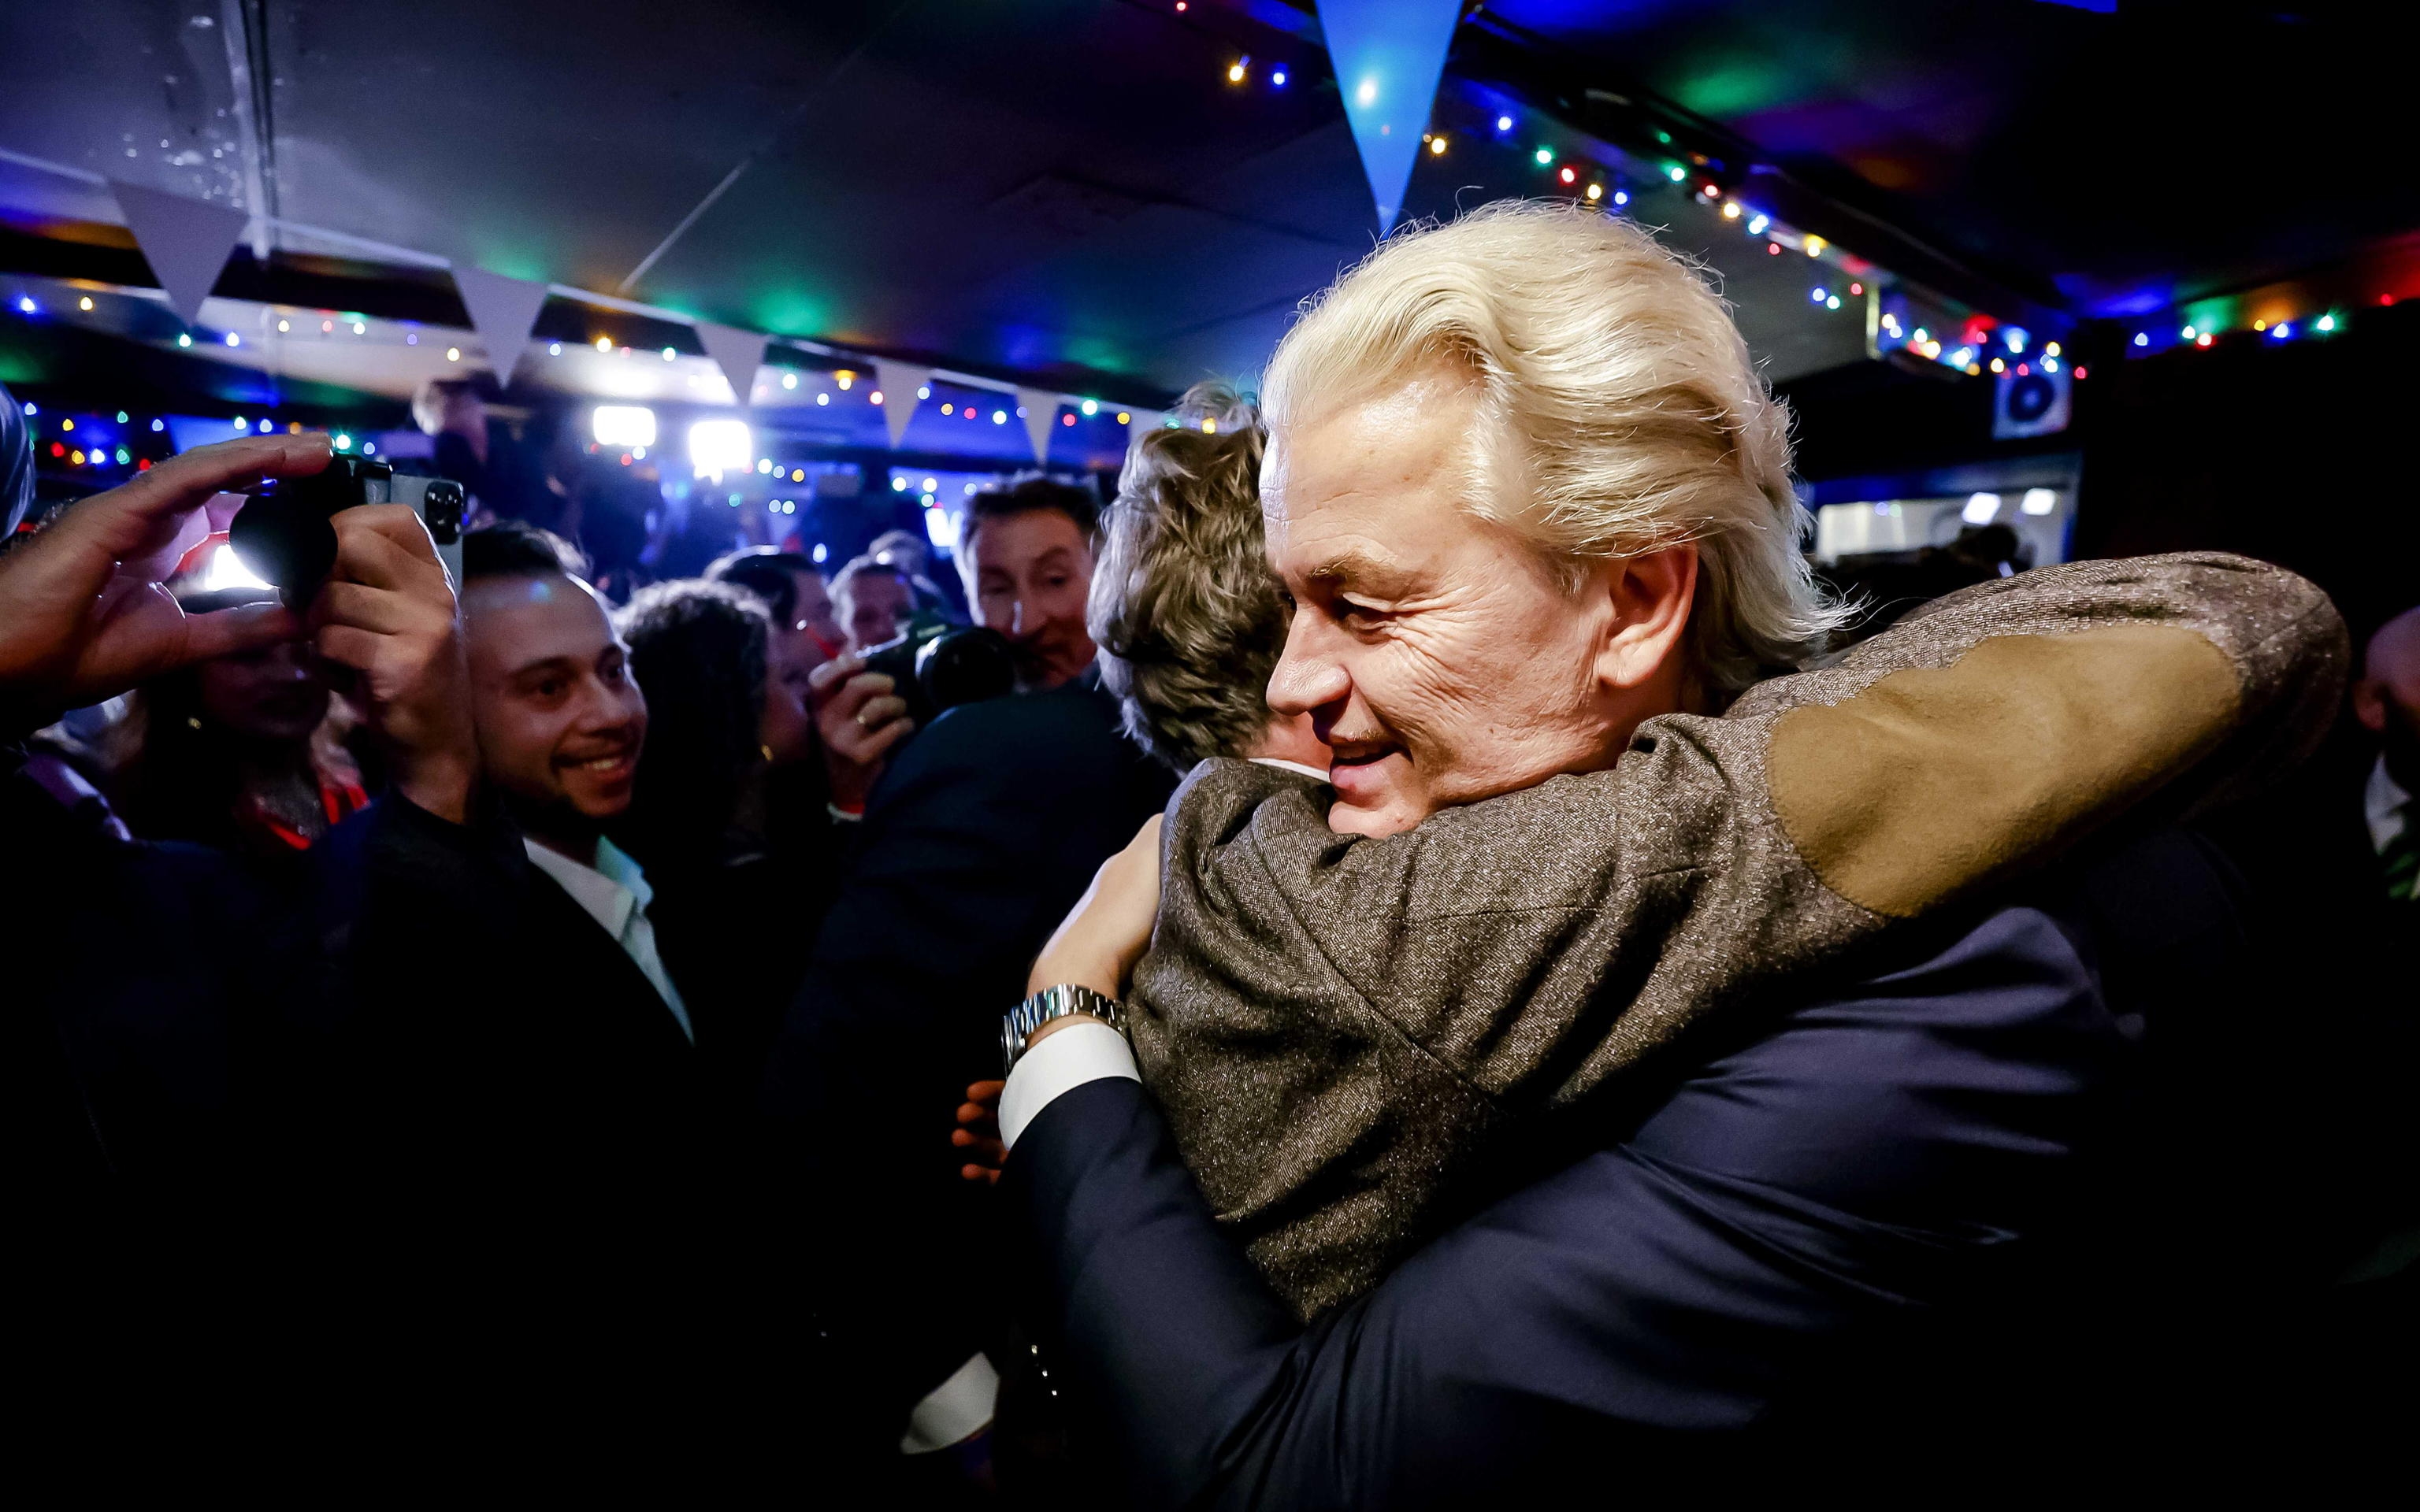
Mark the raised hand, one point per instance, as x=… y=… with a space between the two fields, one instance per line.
x=862 y=719
x=84 y=614
x=388 y=612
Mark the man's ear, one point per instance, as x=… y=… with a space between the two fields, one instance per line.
x=2369 y=704
x=1653 y=595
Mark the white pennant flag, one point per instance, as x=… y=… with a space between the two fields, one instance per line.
x=1041 y=418
x=900 y=381
x=739 y=353
x=185 y=240
x=503 y=311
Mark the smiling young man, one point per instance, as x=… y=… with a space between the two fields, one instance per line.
x=560 y=722
x=522 y=1054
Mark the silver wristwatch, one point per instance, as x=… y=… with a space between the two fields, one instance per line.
x=1017 y=1024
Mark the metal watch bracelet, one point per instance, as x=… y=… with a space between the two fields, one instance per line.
x=1018 y=1026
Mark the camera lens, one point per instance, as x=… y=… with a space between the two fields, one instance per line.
x=284 y=535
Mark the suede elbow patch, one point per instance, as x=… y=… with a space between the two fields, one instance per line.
x=1934 y=781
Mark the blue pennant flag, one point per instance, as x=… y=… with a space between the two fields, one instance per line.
x=1388 y=55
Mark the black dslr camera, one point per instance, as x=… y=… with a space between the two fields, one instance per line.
x=937 y=666
x=283 y=536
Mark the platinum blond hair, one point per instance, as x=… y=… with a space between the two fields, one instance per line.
x=1620 y=412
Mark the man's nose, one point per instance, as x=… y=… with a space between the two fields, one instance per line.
x=1306 y=678
x=604 y=710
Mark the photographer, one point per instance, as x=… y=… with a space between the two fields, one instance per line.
x=986 y=827
x=151 y=1102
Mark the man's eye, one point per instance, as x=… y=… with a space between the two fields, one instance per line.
x=1359 y=615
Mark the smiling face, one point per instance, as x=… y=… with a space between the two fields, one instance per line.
x=1032 y=573
x=560 y=722
x=1435 y=652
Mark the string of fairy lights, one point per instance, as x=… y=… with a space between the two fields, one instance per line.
x=87 y=442
x=1900 y=317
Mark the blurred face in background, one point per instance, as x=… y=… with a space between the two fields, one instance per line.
x=873 y=606
x=787 y=731
x=275 y=695
x=560 y=720
x=1031 y=576
x=2386 y=699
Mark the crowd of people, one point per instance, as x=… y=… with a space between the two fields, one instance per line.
x=1456 y=969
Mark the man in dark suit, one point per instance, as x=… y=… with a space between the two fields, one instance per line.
x=979 y=836
x=531 y=1028
x=1899 y=1225
x=1818 y=1230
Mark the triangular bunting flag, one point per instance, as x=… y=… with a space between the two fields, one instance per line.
x=185 y=240
x=739 y=353
x=1388 y=55
x=503 y=311
x=900 y=381
x=1041 y=418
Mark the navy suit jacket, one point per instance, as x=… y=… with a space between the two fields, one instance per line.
x=984 y=831
x=1822 y=1233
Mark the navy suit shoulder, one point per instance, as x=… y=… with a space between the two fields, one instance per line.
x=986 y=830
x=1835 y=1191
x=981 y=834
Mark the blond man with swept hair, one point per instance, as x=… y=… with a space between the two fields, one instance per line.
x=1590 y=891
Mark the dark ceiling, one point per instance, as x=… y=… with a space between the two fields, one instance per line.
x=1072 y=192
x=2105 y=161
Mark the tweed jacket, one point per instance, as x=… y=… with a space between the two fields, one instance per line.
x=1357 y=1039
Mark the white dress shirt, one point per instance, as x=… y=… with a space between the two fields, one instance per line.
x=614 y=892
x=2386 y=806
x=1290 y=766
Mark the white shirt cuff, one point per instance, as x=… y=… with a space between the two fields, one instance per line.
x=1086 y=1050
x=957 y=1409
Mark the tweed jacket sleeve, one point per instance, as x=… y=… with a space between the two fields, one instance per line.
x=1345 y=1031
